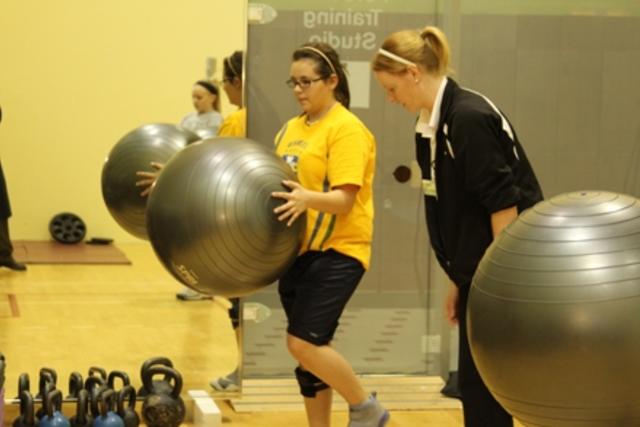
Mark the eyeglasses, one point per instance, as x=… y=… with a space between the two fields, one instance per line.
x=303 y=83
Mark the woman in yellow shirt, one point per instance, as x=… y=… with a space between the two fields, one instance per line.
x=235 y=123
x=333 y=154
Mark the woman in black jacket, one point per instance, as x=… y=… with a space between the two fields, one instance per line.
x=475 y=176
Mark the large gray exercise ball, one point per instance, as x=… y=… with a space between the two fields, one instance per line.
x=554 y=312
x=134 y=152
x=210 y=217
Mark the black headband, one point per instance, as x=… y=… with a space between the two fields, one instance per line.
x=208 y=86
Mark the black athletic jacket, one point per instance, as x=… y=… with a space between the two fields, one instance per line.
x=480 y=169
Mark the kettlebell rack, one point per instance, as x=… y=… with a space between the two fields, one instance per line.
x=98 y=401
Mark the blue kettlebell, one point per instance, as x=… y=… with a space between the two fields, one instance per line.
x=52 y=416
x=107 y=417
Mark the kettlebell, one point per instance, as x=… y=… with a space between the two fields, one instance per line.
x=46 y=385
x=75 y=384
x=94 y=386
x=117 y=374
x=52 y=415
x=23 y=384
x=3 y=365
x=161 y=409
x=128 y=413
x=47 y=376
x=82 y=418
x=159 y=386
x=27 y=417
x=101 y=372
x=107 y=417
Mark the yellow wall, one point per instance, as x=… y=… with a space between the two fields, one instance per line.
x=76 y=75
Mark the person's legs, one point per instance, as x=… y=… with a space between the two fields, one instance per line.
x=231 y=381
x=314 y=293
x=318 y=408
x=479 y=406
x=6 y=248
x=329 y=365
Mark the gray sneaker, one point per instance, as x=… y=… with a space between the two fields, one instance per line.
x=228 y=383
x=368 y=414
x=190 y=295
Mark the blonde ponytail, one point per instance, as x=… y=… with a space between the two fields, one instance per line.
x=428 y=48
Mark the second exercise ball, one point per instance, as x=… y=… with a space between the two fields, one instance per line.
x=553 y=312
x=210 y=217
x=134 y=152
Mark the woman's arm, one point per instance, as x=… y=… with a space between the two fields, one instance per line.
x=337 y=201
x=500 y=219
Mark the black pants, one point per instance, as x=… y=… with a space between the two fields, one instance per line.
x=479 y=407
x=6 y=248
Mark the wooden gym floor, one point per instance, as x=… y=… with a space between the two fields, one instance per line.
x=72 y=317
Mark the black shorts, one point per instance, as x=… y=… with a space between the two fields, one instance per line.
x=315 y=291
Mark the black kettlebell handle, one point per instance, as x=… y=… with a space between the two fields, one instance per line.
x=159 y=360
x=127 y=393
x=75 y=384
x=98 y=370
x=52 y=372
x=118 y=374
x=91 y=382
x=94 y=385
x=52 y=402
x=82 y=407
x=169 y=374
x=23 y=384
x=46 y=384
x=106 y=401
x=26 y=408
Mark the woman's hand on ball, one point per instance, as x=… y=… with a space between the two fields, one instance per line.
x=295 y=202
x=149 y=178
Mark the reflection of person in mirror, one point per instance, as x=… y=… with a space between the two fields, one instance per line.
x=334 y=154
x=206 y=118
x=205 y=98
x=6 y=248
x=235 y=123
x=476 y=180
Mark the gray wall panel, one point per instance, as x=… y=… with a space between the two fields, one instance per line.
x=621 y=33
x=535 y=118
x=579 y=101
x=582 y=33
x=537 y=32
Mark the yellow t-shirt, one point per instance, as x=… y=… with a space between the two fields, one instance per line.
x=235 y=124
x=336 y=150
